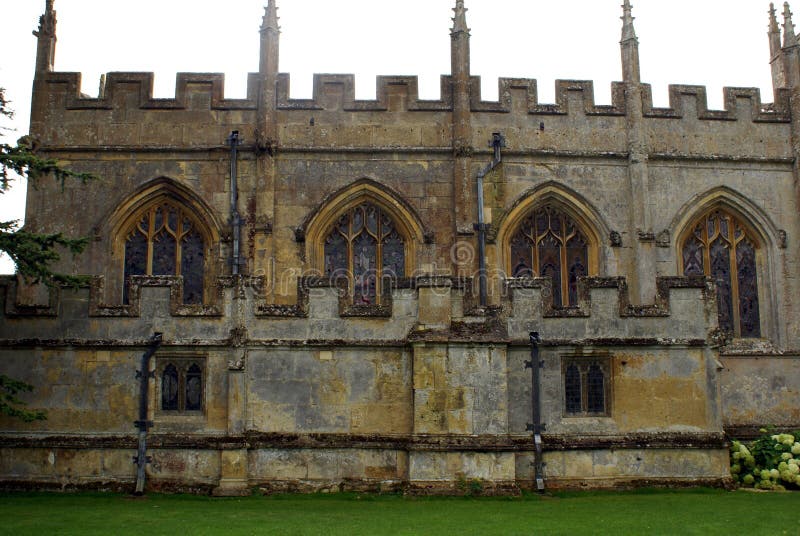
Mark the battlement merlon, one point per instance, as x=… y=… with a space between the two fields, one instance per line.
x=126 y=106
x=336 y=92
x=125 y=115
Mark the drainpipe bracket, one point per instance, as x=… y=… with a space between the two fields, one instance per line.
x=143 y=425
x=529 y=364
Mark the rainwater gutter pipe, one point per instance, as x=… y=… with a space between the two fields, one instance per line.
x=537 y=427
x=143 y=375
x=497 y=142
x=236 y=221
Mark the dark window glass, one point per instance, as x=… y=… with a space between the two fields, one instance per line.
x=747 y=280
x=572 y=389
x=194 y=389
x=693 y=257
x=393 y=255
x=595 y=390
x=164 y=254
x=169 y=388
x=719 y=246
x=364 y=247
x=721 y=274
x=164 y=241
x=135 y=257
x=549 y=243
x=192 y=263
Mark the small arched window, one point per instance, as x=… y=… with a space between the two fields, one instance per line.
x=365 y=247
x=164 y=239
x=181 y=384
x=586 y=384
x=549 y=243
x=720 y=246
x=169 y=388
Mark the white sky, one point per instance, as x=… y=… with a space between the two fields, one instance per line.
x=714 y=43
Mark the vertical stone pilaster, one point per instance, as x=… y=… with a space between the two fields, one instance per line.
x=460 y=390
x=464 y=195
x=266 y=142
x=640 y=267
x=233 y=474
x=234 y=470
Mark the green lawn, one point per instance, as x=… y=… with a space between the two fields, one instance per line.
x=698 y=511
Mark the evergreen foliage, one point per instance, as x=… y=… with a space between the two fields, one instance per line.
x=11 y=405
x=34 y=253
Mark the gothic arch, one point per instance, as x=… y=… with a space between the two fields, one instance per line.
x=163 y=187
x=759 y=230
x=194 y=220
x=565 y=199
x=323 y=218
x=757 y=220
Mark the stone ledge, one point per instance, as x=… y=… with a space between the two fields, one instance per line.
x=254 y=440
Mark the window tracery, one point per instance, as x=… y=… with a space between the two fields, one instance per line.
x=365 y=247
x=181 y=384
x=165 y=240
x=549 y=243
x=720 y=246
x=586 y=386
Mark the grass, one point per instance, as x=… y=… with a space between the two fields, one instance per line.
x=696 y=511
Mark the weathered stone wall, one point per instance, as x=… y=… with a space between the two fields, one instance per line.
x=427 y=390
x=760 y=391
x=426 y=399
x=696 y=157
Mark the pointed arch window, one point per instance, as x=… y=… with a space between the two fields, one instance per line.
x=720 y=246
x=181 y=384
x=550 y=243
x=365 y=247
x=165 y=239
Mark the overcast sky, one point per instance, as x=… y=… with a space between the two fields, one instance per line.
x=714 y=43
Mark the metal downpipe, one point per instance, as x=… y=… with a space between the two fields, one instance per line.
x=537 y=427
x=236 y=221
x=143 y=375
x=497 y=142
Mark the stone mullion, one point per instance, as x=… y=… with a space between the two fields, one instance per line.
x=151 y=220
x=562 y=257
x=734 y=274
x=378 y=257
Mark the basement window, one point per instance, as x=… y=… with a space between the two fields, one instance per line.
x=585 y=383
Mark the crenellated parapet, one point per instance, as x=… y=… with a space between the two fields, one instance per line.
x=683 y=312
x=337 y=92
x=686 y=101
x=116 y=86
x=126 y=115
x=128 y=91
x=510 y=89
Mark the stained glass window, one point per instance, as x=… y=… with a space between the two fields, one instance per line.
x=181 y=385
x=720 y=246
x=165 y=241
x=365 y=247
x=550 y=244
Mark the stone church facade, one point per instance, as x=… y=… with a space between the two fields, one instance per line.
x=409 y=294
